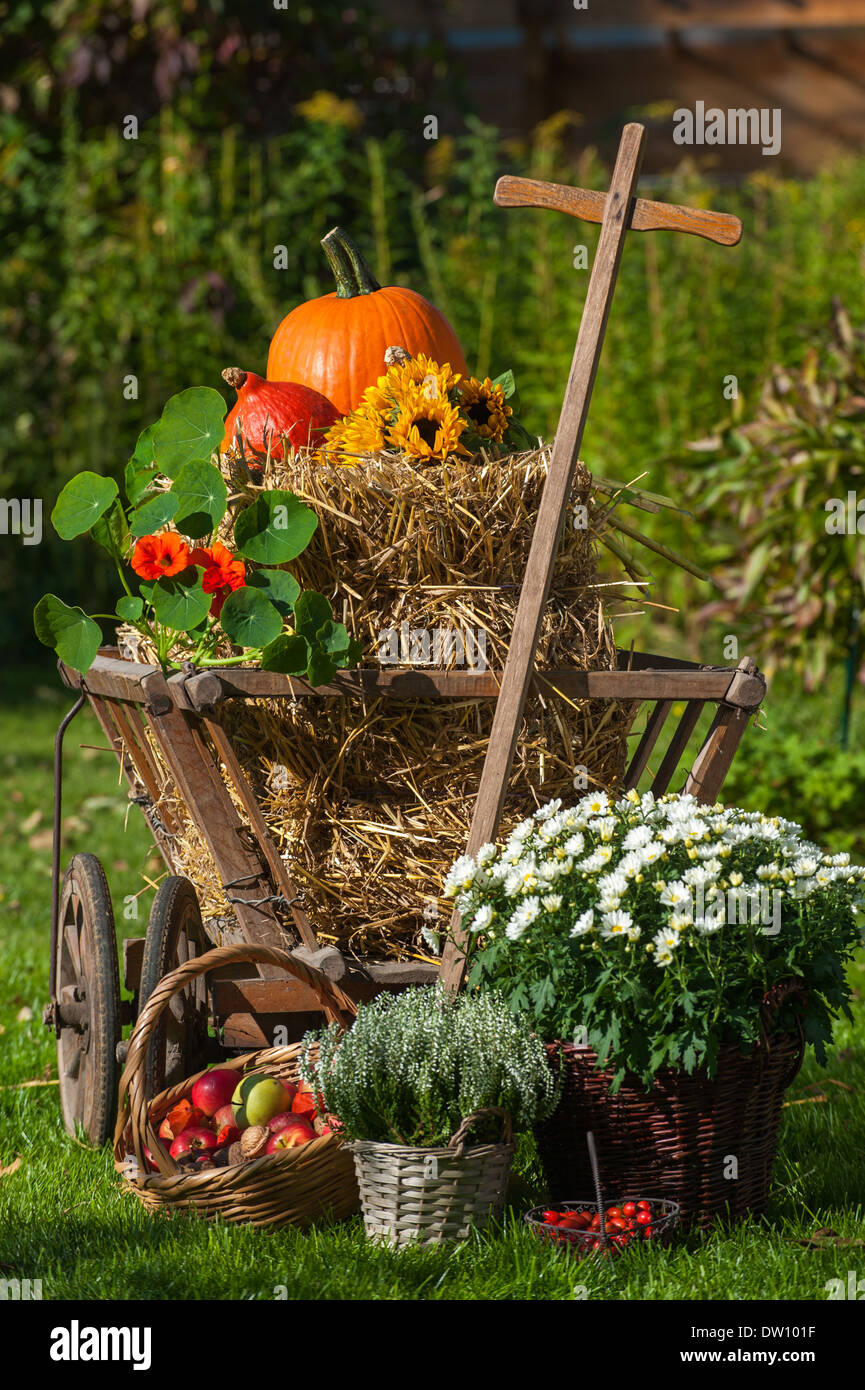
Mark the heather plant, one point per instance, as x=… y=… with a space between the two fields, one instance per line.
x=414 y=1065
x=652 y=929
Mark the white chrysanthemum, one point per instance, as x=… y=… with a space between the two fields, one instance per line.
x=667 y=939
x=575 y=844
x=616 y=924
x=525 y=914
x=598 y=860
x=551 y=808
x=614 y=882
x=637 y=836
x=552 y=901
x=514 y=882
x=500 y=871
x=768 y=871
x=676 y=894
x=482 y=918
x=583 y=924
x=840 y=859
x=460 y=877
x=697 y=875
x=486 y=854
x=710 y=923
x=663 y=956
x=805 y=866
x=651 y=853
x=631 y=863
x=604 y=827
x=595 y=804
x=680 y=921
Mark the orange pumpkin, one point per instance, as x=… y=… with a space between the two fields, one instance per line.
x=336 y=344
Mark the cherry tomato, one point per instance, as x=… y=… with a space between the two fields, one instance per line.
x=629 y=1208
x=620 y=1241
x=596 y=1222
x=617 y=1223
x=552 y=1218
x=648 y=1232
x=644 y=1206
x=644 y=1218
x=614 y=1211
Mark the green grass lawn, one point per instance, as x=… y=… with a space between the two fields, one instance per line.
x=65 y=1220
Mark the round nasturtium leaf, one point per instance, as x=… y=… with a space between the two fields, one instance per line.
x=190 y=428
x=81 y=503
x=180 y=602
x=111 y=529
x=249 y=618
x=201 y=499
x=279 y=586
x=276 y=528
x=333 y=638
x=288 y=654
x=130 y=608
x=311 y=612
x=321 y=668
x=75 y=637
x=153 y=515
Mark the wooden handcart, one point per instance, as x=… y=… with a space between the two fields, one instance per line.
x=140 y=710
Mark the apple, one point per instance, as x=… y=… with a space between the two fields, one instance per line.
x=278 y=1122
x=257 y=1099
x=291 y=1135
x=214 y=1089
x=224 y=1116
x=290 y=1088
x=192 y=1139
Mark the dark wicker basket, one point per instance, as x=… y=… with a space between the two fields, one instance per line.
x=679 y=1138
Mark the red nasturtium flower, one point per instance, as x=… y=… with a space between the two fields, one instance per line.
x=165 y=554
x=222 y=573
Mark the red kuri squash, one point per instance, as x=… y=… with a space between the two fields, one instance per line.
x=267 y=411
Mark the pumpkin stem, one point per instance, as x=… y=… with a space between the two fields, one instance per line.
x=235 y=377
x=351 y=272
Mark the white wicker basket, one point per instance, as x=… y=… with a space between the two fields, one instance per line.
x=431 y=1195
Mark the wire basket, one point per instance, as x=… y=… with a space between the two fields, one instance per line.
x=431 y=1195
x=664 y=1218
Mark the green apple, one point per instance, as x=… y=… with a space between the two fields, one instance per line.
x=257 y=1099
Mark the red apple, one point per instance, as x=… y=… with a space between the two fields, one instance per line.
x=192 y=1139
x=278 y=1122
x=223 y=1116
x=214 y=1089
x=291 y=1135
x=290 y=1088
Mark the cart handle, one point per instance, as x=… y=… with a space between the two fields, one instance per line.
x=133 y=1102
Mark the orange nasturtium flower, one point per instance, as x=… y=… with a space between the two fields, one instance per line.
x=164 y=554
x=222 y=573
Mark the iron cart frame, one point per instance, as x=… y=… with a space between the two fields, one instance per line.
x=182 y=713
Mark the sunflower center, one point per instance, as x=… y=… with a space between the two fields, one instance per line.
x=479 y=412
x=427 y=429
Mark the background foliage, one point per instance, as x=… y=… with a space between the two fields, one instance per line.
x=154 y=259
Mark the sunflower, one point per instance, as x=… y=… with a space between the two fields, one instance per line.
x=399 y=382
x=361 y=432
x=485 y=406
x=427 y=427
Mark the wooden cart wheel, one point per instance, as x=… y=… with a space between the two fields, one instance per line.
x=175 y=934
x=88 y=996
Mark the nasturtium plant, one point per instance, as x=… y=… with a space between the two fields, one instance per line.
x=198 y=600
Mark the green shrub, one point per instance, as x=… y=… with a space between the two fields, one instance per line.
x=414 y=1065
